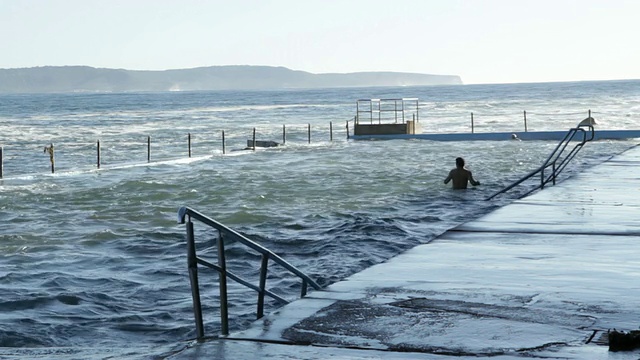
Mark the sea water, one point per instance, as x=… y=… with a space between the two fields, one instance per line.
x=93 y=260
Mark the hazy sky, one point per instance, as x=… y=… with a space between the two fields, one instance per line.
x=483 y=41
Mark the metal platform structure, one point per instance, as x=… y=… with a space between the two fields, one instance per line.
x=387 y=117
x=399 y=118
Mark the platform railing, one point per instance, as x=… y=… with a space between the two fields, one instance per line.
x=554 y=160
x=185 y=216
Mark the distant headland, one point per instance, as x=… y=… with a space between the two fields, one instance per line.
x=51 y=79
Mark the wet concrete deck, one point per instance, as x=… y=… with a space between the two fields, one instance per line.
x=544 y=277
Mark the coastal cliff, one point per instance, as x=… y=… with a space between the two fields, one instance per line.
x=49 y=79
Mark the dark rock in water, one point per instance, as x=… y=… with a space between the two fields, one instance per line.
x=621 y=341
x=262 y=143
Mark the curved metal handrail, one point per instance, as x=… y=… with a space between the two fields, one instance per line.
x=185 y=215
x=552 y=160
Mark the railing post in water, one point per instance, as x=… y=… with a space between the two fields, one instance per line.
x=49 y=149
x=330 y=131
x=223 y=147
x=348 y=129
x=589 y=112
x=472 y=123
x=224 y=306
x=148 y=148
x=192 y=265
x=98 y=149
x=263 y=284
x=254 y=139
x=413 y=127
x=309 y=132
x=303 y=290
x=1 y=167
x=284 y=134
x=525 y=121
x=189 y=144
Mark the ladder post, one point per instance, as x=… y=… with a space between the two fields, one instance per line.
x=262 y=285
x=192 y=265
x=224 y=305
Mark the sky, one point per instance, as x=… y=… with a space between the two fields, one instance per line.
x=482 y=41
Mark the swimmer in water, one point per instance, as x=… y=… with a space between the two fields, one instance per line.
x=460 y=176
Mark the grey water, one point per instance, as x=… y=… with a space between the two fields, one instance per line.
x=93 y=260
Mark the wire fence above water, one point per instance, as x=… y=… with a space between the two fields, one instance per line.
x=26 y=156
x=34 y=156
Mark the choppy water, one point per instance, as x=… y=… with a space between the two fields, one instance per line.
x=93 y=260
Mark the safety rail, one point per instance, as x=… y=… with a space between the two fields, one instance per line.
x=554 y=161
x=185 y=215
x=386 y=110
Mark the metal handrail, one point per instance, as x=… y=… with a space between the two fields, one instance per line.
x=185 y=214
x=552 y=159
x=378 y=106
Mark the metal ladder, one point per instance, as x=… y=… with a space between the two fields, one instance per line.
x=554 y=161
x=185 y=216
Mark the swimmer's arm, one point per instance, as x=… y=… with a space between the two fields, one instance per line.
x=472 y=180
x=446 y=181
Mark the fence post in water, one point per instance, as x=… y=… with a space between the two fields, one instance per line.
x=1 y=169
x=284 y=134
x=309 y=132
x=330 y=131
x=189 y=144
x=589 y=112
x=525 y=121
x=472 y=123
x=49 y=149
x=254 y=139
x=223 y=147
x=347 y=129
x=224 y=305
x=98 y=149
x=148 y=148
